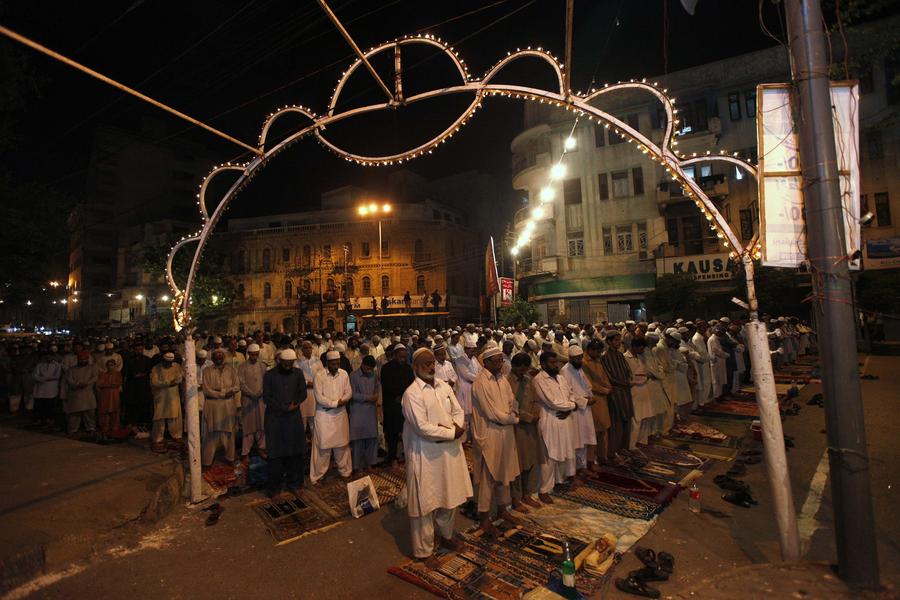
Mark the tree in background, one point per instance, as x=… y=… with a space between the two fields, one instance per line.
x=879 y=291
x=522 y=312
x=675 y=293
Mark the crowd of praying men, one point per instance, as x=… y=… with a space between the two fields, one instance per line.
x=538 y=406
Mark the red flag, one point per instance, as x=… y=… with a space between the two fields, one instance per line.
x=491 y=279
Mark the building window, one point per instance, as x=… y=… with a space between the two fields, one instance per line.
x=240 y=290
x=607 y=241
x=326 y=251
x=746 y=224
x=366 y=286
x=690 y=171
x=348 y=251
x=694 y=116
x=658 y=117
x=572 y=191
x=420 y=284
x=241 y=328
x=599 y=135
x=866 y=81
x=267 y=327
x=330 y=324
x=385 y=285
x=637 y=178
x=750 y=103
x=540 y=248
x=576 y=246
x=734 y=106
x=285 y=255
x=418 y=251
x=620 y=184
x=366 y=249
x=633 y=122
x=604 y=186
x=267 y=290
x=349 y=288
x=239 y=261
x=875 y=145
x=882 y=209
x=693 y=235
x=642 y=239
x=307 y=256
x=385 y=248
x=329 y=284
x=738 y=173
x=672 y=230
x=267 y=260
x=615 y=138
x=307 y=285
x=288 y=290
x=623 y=240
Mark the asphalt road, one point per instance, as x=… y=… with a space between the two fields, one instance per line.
x=181 y=558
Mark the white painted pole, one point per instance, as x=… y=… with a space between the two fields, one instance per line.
x=192 y=408
x=770 y=419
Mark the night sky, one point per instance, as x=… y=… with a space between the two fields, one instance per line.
x=230 y=63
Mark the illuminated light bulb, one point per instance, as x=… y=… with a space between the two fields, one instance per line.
x=538 y=213
x=363 y=211
x=373 y=207
x=558 y=171
x=529 y=226
x=386 y=208
x=547 y=194
x=514 y=251
x=570 y=143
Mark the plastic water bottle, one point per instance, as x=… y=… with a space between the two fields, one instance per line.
x=694 y=499
x=567 y=570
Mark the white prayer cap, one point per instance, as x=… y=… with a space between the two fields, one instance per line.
x=327 y=336
x=395 y=339
x=415 y=331
x=201 y=353
x=532 y=344
x=491 y=344
x=101 y=346
x=469 y=344
x=242 y=343
x=491 y=351
x=340 y=347
x=332 y=355
x=438 y=347
x=671 y=330
x=683 y=330
x=399 y=347
x=679 y=320
x=629 y=322
x=217 y=340
x=168 y=356
x=727 y=320
x=108 y=346
x=652 y=335
x=674 y=335
x=376 y=339
x=575 y=350
x=253 y=348
x=287 y=354
x=438 y=338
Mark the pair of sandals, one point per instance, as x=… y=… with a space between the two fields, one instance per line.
x=726 y=482
x=657 y=567
x=793 y=411
x=816 y=400
x=744 y=499
x=215 y=511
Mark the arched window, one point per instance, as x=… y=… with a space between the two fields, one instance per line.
x=307 y=256
x=385 y=285
x=329 y=284
x=419 y=250
x=349 y=288
x=366 y=286
x=420 y=284
x=288 y=289
x=240 y=290
x=267 y=290
x=330 y=324
x=307 y=285
x=267 y=260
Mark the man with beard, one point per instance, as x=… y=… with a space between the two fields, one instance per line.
x=165 y=380
x=583 y=422
x=332 y=431
x=363 y=415
x=621 y=410
x=558 y=435
x=443 y=368
x=310 y=365
x=600 y=390
x=529 y=448
x=253 y=409
x=80 y=399
x=437 y=478
x=220 y=385
x=493 y=419
x=284 y=390
x=396 y=376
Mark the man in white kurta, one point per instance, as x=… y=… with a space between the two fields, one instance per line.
x=310 y=365
x=557 y=406
x=332 y=430
x=703 y=390
x=494 y=418
x=718 y=362
x=644 y=421
x=678 y=386
x=662 y=408
x=443 y=368
x=467 y=369
x=437 y=478
x=583 y=421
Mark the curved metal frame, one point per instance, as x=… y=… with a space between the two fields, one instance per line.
x=665 y=154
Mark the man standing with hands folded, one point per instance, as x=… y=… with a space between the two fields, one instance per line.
x=284 y=390
x=332 y=429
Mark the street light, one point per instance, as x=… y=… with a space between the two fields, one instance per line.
x=373 y=210
x=164 y=298
x=54 y=284
x=139 y=297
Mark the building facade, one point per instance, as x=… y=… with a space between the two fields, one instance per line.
x=617 y=222
x=310 y=270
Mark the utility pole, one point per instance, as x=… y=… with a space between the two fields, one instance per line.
x=848 y=459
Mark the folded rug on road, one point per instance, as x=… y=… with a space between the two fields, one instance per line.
x=625 y=482
x=605 y=499
x=220 y=476
x=700 y=449
x=290 y=518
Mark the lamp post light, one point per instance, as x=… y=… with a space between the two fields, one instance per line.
x=373 y=209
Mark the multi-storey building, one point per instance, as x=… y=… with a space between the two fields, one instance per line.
x=617 y=222
x=303 y=271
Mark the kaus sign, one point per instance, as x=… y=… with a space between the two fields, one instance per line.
x=702 y=267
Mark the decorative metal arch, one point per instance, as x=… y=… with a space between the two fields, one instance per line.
x=579 y=103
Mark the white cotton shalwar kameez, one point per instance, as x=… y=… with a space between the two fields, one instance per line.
x=467 y=369
x=703 y=389
x=331 y=432
x=644 y=421
x=718 y=364
x=437 y=477
x=586 y=434
x=446 y=372
x=558 y=435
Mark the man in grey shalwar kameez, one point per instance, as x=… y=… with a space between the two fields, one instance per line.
x=363 y=415
x=253 y=409
x=284 y=390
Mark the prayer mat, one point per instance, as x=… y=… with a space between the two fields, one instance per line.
x=389 y=483
x=629 y=483
x=331 y=496
x=586 y=523
x=661 y=473
x=610 y=501
x=735 y=428
x=290 y=518
x=534 y=553
x=220 y=476
x=701 y=450
x=670 y=456
x=464 y=575
x=730 y=409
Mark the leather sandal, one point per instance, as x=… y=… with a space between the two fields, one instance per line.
x=742 y=499
x=636 y=587
x=649 y=574
x=666 y=562
x=646 y=556
x=727 y=483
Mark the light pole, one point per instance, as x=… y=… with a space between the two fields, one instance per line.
x=373 y=209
